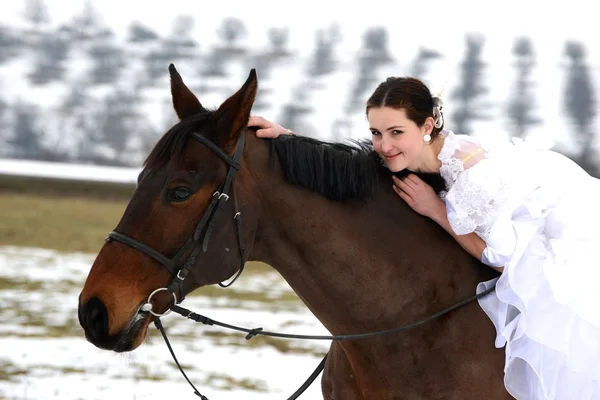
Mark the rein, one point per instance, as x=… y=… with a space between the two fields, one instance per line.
x=198 y=242
x=259 y=331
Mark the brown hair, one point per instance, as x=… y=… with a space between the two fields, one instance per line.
x=411 y=95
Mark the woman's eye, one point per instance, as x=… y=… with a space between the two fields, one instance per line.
x=180 y=193
x=396 y=132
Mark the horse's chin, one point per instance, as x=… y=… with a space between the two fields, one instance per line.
x=131 y=337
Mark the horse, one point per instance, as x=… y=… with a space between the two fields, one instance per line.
x=212 y=195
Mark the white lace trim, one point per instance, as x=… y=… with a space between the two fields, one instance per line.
x=451 y=166
x=475 y=195
x=476 y=206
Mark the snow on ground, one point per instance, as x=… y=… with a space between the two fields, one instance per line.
x=44 y=355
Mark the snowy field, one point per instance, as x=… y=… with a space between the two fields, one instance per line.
x=43 y=354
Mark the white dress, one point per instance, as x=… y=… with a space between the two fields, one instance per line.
x=539 y=214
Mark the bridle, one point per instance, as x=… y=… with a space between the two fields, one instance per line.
x=201 y=235
x=198 y=242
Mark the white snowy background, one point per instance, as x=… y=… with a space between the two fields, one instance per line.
x=43 y=354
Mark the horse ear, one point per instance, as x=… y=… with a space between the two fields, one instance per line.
x=185 y=102
x=232 y=116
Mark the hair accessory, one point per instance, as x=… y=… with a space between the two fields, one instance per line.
x=438 y=118
x=438 y=105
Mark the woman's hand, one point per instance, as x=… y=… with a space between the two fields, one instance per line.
x=422 y=198
x=419 y=196
x=267 y=129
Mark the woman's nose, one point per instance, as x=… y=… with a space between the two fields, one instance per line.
x=386 y=145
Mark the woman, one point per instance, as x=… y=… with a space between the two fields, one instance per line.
x=528 y=212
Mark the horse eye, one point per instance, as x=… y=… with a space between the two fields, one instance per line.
x=180 y=193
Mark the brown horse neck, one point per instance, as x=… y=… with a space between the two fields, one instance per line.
x=359 y=266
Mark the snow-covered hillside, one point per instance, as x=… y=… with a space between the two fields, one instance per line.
x=307 y=79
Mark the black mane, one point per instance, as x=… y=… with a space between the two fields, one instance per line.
x=338 y=171
x=341 y=172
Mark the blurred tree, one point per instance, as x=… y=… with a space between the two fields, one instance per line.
x=376 y=46
x=139 y=33
x=469 y=94
x=279 y=39
x=522 y=103
x=156 y=63
x=107 y=60
x=168 y=119
x=341 y=129
x=10 y=43
x=262 y=101
x=231 y=32
x=5 y=127
x=214 y=65
x=143 y=141
x=323 y=60
x=3 y=111
x=183 y=28
x=75 y=121
x=86 y=25
x=580 y=105
x=294 y=113
x=365 y=79
x=27 y=138
x=419 y=65
x=49 y=57
x=266 y=61
x=117 y=122
x=180 y=43
x=36 y=14
x=373 y=55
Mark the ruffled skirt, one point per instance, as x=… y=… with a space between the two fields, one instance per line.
x=546 y=306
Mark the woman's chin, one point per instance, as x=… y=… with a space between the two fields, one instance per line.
x=396 y=165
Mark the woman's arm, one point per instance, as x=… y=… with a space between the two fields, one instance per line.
x=471 y=242
x=422 y=198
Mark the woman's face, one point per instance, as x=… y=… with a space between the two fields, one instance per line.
x=398 y=140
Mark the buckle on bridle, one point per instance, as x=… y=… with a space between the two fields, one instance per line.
x=182 y=278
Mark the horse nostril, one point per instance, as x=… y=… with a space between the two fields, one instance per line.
x=94 y=319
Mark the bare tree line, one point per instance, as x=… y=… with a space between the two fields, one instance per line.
x=94 y=125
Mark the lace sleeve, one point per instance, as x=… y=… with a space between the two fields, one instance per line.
x=476 y=199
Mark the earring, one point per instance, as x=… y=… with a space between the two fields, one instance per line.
x=427 y=138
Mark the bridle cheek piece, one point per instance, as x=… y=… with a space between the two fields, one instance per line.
x=200 y=238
